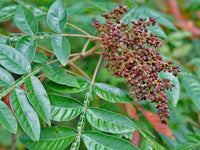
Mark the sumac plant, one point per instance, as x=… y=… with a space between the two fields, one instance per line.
x=57 y=105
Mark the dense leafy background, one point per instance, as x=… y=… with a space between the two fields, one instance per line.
x=49 y=110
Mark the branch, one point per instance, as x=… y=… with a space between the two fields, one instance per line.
x=52 y=35
x=77 y=28
x=45 y=49
x=78 y=70
x=71 y=72
x=88 y=53
x=81 y=123
x=80 y=35
x=85 y=46
x=14 y=140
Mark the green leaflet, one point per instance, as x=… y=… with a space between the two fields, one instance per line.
x=6 y=13
x=25 y=20
x=40 y=58
x=38 y=98
x=59 y=75
x=83 y=83
x=7 y=119
x=13 y=60
x=175 y=93
x=6 y=78
x=3 y=39
x=187 y=146
x=57 y=16
x=111 y=93
x=108 y=121
x=52 y=138
x=100 y=141
x=26 y=115
x=27 y=46
x=157 y=30
x=192 y=87
x=64 y=108
x=61 y=47
x=147 y=145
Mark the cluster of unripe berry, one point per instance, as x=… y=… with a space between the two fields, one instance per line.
x=131 y=53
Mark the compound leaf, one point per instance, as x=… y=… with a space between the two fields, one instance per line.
x=147 y=145
x=27 y=46
x=51 y=138
x=40 y=58
x=192 y=87
x=57 y=16
x=61 y=47
x=97 y=141
x=26 y=115
x=64 y=108
x=174 y=94
x=109 y=121
x=13 y=60
x=38 y=98
x=6 y=78
x=25 y=20
x=59 y=75
x=7 y=12
x=7 y=119
x=111 y=93
x=187 y=146
x=83 y=85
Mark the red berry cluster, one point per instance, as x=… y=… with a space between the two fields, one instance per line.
x=131 y=53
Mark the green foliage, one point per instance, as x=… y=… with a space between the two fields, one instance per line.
x=25 y=114
x=59 y=76
x=51 y=138
x=38 y=98
x=64 y=108
x=7 y=119
x=6 y=78
x=25 y=20
x=13 y=60
x=96 y=140
x=61 y=107
x=109 y=121
x=111 y=93
x=62 y=48
x=57 y=17
x=27 y=46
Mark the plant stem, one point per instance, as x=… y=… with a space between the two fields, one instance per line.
x=75 y=54
x=78 y=70
x=45 y=49
x=71 y=72
x=77 y=28
x=80 y=35
x=88 y=53
x=85 y=46
x=68 y=35
x=81 y=123
x=14 y=140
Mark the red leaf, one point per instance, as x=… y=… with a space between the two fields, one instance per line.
x=136 y=138
x=23 y=87
x=8 y=102
x=131 y=111
x=159 y=127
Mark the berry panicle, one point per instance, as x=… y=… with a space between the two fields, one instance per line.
x=130 y=52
